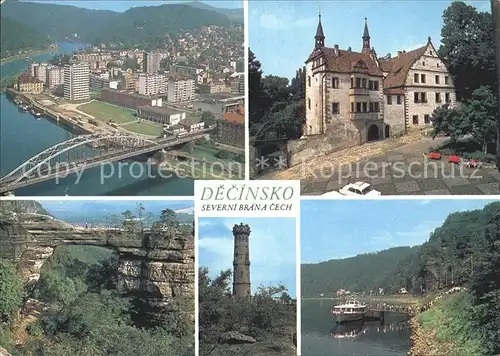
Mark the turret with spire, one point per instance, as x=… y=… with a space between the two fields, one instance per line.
x=366 y=39
x=320 y=36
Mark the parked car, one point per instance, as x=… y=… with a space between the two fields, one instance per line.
x=333 y=193
x=359 y=189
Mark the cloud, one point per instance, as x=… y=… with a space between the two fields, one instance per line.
x=272 y=248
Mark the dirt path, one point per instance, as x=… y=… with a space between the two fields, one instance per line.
x=345 y=156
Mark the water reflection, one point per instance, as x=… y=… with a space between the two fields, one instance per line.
x=368 y=329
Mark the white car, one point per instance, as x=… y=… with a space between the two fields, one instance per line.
x=359 y=189
x=333 y=193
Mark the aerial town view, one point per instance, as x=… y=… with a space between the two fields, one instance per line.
x=419 y=277
x=256 y=315
x=97 y=278
x=127 y=100
x=376 y=107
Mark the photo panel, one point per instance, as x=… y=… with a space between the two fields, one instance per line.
x=125 y=106
x=97 y=277
x=400 y=277
x=363 y=106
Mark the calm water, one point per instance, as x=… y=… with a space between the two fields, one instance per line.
x=321 y=336
x=22 y=137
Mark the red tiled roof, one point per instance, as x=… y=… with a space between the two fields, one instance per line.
x=25 y=78
x=399 y=66
x=345 y=61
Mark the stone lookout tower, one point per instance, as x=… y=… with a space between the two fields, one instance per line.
x=241 y=262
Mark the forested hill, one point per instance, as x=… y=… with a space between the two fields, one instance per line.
x=357 y=274
x=139 y=26
x=454 y=253
x=15 y=37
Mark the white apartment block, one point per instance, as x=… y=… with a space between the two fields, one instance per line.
x=77 y=81
x=180 y=90
x=151 y=84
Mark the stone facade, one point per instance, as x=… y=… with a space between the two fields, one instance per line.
x=378 y=98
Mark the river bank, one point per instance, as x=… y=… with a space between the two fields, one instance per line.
x=446 y=328
x=50 y=49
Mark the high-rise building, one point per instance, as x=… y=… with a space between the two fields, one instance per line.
x=151 y=84
x=241 y=262
x=55 y=77
x=151 y=62
x=77 y=81
x=180 y=89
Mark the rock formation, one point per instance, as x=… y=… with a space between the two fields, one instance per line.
x=155 y=265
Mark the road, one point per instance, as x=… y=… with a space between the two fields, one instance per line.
x=404 y=171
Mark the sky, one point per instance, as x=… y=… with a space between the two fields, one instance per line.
x=281 y=33
x=272 y=249
x=123 y=5
x=334 y=229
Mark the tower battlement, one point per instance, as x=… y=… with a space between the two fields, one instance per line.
x=241 y=229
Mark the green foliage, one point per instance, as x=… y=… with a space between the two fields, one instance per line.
x=468 y=46
x=35 y=329
x=208 y=118
x=11 y=296
x=477 y=116
x=16 y=36
x=141 y=27
x=261 y=316
x=453 y=318
x=275 y=106
x=361 y=273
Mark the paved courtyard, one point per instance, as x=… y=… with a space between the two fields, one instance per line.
x=404 y=171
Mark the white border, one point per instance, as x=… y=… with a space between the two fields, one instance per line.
x=403 y=197
x=298 y=285
x=100 y=198
x=247 y=102
x=196 y=289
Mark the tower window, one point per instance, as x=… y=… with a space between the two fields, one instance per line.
x=415 y=119
x=335 y=108
x=389 y=99
x=335 y=83
x=375 y=85
x=398 y=99
x=309 y=103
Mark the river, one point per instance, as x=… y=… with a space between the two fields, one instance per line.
x=22 y=137
x=321 y=336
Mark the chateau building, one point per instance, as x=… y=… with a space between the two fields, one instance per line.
x=370 y=97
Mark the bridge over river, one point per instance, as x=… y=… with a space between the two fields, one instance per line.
x=87 y=151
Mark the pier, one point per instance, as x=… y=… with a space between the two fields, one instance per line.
x=80 y=127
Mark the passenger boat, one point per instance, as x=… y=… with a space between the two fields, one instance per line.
x=351 y=310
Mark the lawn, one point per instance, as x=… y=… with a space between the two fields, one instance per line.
x=106 y=112
x=144 y=128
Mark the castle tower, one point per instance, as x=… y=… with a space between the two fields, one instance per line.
x=320 y=36
x=366 y=39
x=241 y=262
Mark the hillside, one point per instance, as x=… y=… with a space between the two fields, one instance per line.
x=145 y=27
x=236 y=15
x=451 y=256
x=357 y=274
x=16 y=37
